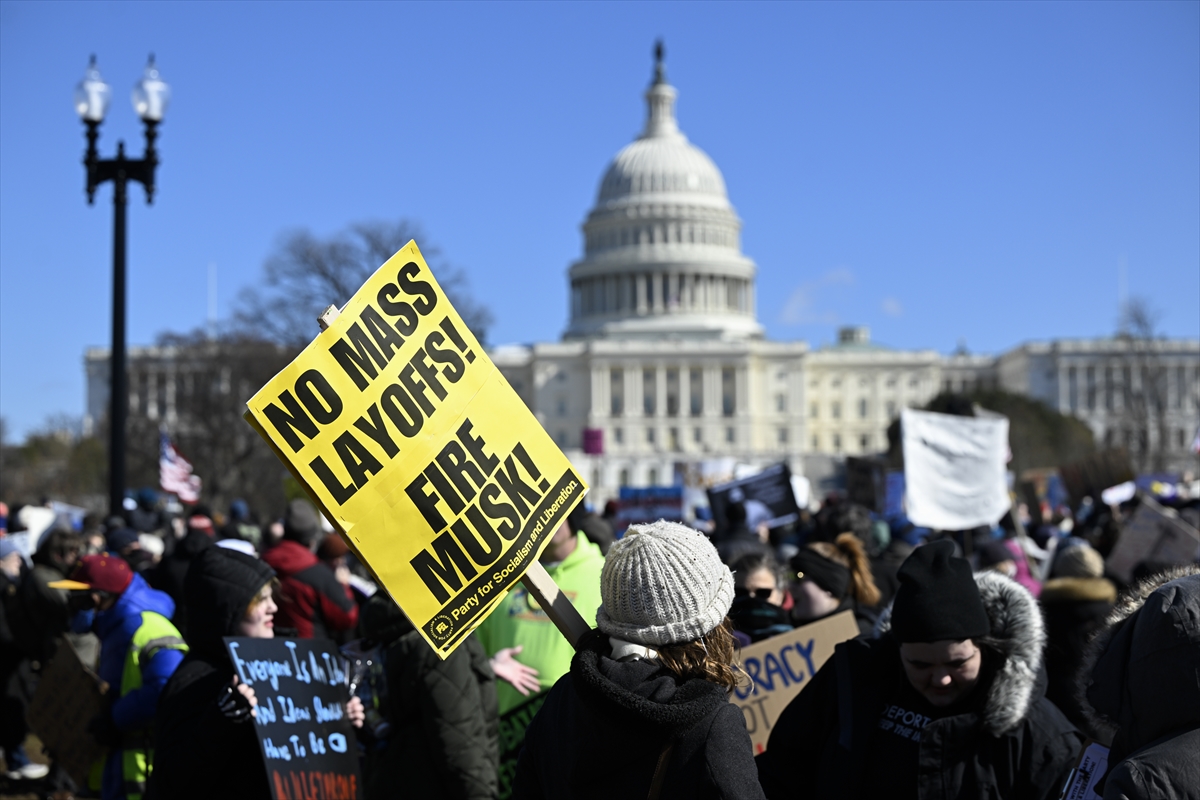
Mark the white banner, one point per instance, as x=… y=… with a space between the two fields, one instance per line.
x=954 y=469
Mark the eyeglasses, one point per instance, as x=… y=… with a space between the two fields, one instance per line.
x=761 y=594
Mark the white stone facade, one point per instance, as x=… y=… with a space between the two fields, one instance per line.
x=665 y=357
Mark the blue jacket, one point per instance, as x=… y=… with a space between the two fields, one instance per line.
x=116 y=628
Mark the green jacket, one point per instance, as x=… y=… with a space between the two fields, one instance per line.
x=518 y=620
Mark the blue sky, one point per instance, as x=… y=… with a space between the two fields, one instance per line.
x=937 y=171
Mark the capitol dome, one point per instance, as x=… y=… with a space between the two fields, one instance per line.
x=662 y=250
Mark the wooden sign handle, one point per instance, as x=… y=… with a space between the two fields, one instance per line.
x=556 y=604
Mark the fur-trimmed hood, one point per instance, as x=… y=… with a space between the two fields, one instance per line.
x=1019 y=636
x=1139 y=672
x=1078 y=590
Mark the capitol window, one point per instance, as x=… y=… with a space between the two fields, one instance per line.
x=649 y=391
x=649 y=435
x=697 y=435
x=672 y=392
x=696 y=391
x=862 y=408
x=618 y=435
x=837 y=443
x=836 y=410
x=616 y=388
x=813 y=410
x=728 y=396
x=652 y=477
x=729 y=435
x=782 y=435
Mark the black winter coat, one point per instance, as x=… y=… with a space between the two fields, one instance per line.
x=1016 y=744
x=444 y=741
x=605 y=724
x=1141 y=691
x=1074 y=608
x=171 y=573
x=198 y=752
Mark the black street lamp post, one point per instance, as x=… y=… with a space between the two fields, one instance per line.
x=150 y=98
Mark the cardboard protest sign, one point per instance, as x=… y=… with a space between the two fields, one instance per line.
x=772 y=487
x=68 y=696
x=415 y=447
x=1155 y=534
x=512 y=738
x=954 y=469
x=307 y=742
x=781 y=666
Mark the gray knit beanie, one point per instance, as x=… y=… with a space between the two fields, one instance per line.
x=663 y=583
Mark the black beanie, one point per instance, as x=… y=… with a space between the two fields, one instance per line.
x=938 y=599
x=829 y=575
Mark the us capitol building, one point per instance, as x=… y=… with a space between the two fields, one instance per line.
x=664 y=365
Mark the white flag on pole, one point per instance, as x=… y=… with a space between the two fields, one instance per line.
x=954 y=469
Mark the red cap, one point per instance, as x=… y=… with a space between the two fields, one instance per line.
x=103 y=573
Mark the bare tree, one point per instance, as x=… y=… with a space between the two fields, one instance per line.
x=1143 y=387
x=305 y=274
x=213 y=378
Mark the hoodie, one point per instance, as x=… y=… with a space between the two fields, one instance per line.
x=606 y=724
x=199 y=752
x=1140 y=690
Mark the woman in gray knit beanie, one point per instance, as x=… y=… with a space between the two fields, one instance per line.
x=645 y=711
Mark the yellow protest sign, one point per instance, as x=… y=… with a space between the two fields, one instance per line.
x=414 y=445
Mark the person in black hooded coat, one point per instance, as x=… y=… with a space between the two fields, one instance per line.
x=205 y=745
x=645 y=711
x=444 y=741
x=1140 y=689
x=861 y=728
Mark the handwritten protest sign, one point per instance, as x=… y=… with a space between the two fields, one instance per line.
x=512 y=738
x=781 y=666
x=415 y=447
x=1154 y=534
x=68 y=696
x=307 y=742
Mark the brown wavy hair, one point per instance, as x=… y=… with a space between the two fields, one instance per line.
x=848 y=551
x=712 y=657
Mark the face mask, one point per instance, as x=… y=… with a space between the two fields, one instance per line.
x=82 y=621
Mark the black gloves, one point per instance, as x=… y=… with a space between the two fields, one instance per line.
x=233 y=705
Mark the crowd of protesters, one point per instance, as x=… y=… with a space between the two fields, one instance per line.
x=985 y=658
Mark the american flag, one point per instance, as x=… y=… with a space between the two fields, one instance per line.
x=175 y=473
